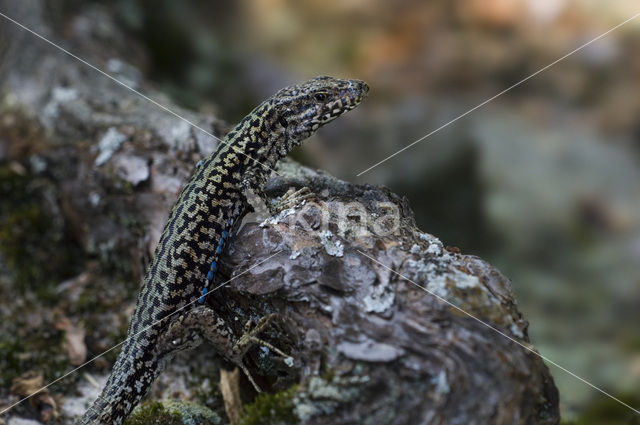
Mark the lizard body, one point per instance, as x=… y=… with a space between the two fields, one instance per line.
x=203 y=218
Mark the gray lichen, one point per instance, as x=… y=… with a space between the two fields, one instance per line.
x=109 y=144
x=332 y=245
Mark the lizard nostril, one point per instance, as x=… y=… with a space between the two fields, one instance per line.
x=359 y=86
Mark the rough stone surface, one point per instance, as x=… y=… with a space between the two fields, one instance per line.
x=395 y=350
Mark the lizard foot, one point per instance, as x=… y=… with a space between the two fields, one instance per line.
x=249 y=338
x=290 y=199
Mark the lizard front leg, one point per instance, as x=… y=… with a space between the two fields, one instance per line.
x=290 y=199
x=255 y=184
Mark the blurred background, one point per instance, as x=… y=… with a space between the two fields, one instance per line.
x=543 y=182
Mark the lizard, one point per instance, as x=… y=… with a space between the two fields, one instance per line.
x=206 y=214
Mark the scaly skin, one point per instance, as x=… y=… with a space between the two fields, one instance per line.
x=209 y=207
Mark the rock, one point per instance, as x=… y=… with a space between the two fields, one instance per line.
x=392 y=347
x=22 y=421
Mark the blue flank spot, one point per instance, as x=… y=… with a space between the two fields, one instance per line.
x=204 y=292
x=214 y=266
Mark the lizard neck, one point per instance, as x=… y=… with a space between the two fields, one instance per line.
x=259 y=140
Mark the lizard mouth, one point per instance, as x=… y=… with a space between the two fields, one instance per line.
x=361 y=88
x=354 y=95
x=350 y=97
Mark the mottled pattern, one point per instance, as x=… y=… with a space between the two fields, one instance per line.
x=209 y=207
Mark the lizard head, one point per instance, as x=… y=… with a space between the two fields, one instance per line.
x=303 y=108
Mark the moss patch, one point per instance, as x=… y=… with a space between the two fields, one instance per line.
x=20 y=353
x=607 y=411
x=152 y=413
x=35 y=256
x=271 y=408
x=172 y=412
x=33 y=240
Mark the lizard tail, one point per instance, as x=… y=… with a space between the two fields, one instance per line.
x=129 y=381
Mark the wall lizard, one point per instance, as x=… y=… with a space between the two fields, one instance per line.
x=208 y=210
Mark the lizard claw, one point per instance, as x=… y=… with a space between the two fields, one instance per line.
x=290 y=199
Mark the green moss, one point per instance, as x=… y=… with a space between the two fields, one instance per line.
x=607 y=411
x=152 y=413
x=271 y=408
x=328 y=375
x=19 y=354
x=33 y=240
x=171 y=412
x=18 y=229
x=37 y=254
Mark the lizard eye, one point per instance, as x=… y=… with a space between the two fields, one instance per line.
x=283 y=122
x=320 y=97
